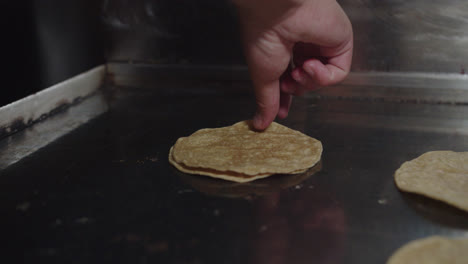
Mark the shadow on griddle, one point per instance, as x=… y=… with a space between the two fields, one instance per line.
x=437 y=211
x=260 y=187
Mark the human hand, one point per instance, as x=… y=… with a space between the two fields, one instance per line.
x=316 y=35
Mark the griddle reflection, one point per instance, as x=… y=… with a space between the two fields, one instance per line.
x=260 y=187
x=298 y=226
x=437 y=211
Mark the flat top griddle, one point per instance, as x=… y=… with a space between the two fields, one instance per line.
x=105 y=193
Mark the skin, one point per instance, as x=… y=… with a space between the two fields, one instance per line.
x=316 y=35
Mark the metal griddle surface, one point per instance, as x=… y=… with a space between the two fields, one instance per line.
x=106 y=193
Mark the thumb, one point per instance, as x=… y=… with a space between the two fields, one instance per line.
x=267 y=97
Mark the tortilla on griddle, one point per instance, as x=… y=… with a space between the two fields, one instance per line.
x=432 y=250
x=238 y=153
x=225 y=175
x=441 y=175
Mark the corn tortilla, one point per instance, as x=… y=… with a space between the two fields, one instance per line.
x=441 y=175
x=238 y=148
x=225 y=175
x=238 y=153
x=432 y=250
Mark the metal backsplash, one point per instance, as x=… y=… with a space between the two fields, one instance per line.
x=172 y=31
x=409 y=36
x=390 y=35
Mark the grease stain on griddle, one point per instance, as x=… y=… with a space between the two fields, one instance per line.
x=15 y=126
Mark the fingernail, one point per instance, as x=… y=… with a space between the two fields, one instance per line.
x=309 y=69
x=257 y=121
x=296 y=76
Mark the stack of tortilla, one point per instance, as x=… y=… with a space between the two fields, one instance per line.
x=239 y=153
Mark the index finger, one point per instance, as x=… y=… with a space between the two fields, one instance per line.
x=267 y=97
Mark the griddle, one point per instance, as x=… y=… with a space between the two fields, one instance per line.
x=105 y=192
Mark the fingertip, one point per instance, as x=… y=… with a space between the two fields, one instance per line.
x=309 y=68
x=282 y=113
x=257 y=122
x=267 y=97
x=298 y=75
x=260 y=123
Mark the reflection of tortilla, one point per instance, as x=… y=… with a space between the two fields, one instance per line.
x=432 y=250
x=261 y=187
x=238 y=153
x=441 y=175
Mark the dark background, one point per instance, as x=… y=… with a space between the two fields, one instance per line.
x=46 y=42
x=50 y=41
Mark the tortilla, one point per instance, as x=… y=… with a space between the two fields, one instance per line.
x=432 y=250
x=238 y=153
x=229 y=189
x=225 y=175
x=238 y=148
x=441 y=175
